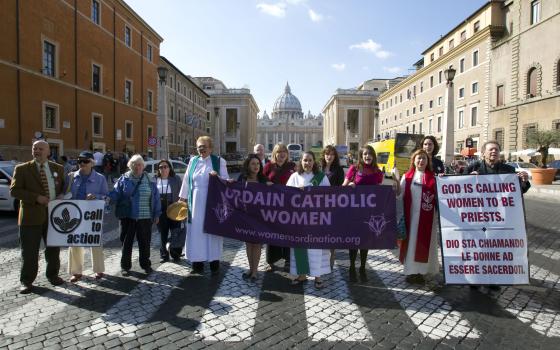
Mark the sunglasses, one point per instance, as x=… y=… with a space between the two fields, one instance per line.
x=83 y=161
x=163 y=167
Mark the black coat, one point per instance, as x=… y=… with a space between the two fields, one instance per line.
x=482 y=168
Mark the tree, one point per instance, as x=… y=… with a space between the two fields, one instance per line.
x=542 y=140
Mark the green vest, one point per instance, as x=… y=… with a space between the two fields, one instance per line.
x=194 y=161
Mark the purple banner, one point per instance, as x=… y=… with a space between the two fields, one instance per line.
x=314 y=217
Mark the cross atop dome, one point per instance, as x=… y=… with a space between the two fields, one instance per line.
x=287 y=89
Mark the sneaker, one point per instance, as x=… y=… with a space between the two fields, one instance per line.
x=75 y=278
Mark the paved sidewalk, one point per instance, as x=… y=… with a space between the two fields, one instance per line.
x=175 y=309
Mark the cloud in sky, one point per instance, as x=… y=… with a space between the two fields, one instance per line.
x=372 y=47
x=315 y=17
x=393 y=70
x=276 y=10
x=339 y=66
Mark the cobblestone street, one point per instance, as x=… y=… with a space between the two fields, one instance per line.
x=172 y=308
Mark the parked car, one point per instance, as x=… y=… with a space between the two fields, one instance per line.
x=523 y=166
x=7 y=202
x=179 y=167
x=234 y=161
x=556 y=165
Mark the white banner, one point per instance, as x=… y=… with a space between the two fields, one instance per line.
x=75 y=223
x=483 y=235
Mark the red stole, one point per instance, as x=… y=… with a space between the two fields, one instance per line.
x=425 y=223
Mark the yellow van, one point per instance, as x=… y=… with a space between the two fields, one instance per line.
x=396 y=152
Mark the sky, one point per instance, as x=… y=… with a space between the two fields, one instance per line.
x=317 y=46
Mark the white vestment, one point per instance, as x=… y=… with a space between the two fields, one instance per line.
x=319 y=259
x=201 y=246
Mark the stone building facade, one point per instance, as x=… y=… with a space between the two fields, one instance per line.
x=81 y=77
x=417 y=104
x=187 y=116
x=232 y=116
x=525 y=71
x=288 y=124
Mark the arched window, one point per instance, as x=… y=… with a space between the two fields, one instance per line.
x=532 y=82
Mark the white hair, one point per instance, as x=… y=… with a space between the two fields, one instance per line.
x=135 y=159
x=257 y=146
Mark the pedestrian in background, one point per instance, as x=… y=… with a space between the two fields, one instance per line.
x=252 y=172
x=366 y=172
x=202 y=246
x=140 y=192
x=431 y=146
x=86 y=184
x=418 y=251
x=35 y=184
x=330 y=164
x=168 y=185
x=312 y=262
x=98 y=156
x=67 y=166
x=278 y=171
x=259 y=151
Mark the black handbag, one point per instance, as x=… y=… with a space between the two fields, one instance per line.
x=124 y=205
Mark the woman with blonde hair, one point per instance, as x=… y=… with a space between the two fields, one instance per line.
x=278 y=171
x=418 y=251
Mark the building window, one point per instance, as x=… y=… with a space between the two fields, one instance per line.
x=532 y=82
x=128 y=130
x=421 y=107
x=407 y=113
x=461 y=65
x=432 y=81
x=463 y=35
x=420 y=127
x=422 y=84
x=171 y=113
x=149 y=101
x=439 y=101
x=451 y=44
x=431 y=104
x=475 y=58
x=413 y=110
x=461 y=119
x=474 y=88
x=96 y=78
x=430 y=126
x=95 y=11
x=476 y=26
x=149 y=53
x=97 y=125
x=50 y=117
x=535 y=11
x=150 y=131
x=441 y=51
x=127 y=91
x=499 y=95
x=474 y=116
x=461 y=92
x=414 y=128
x=438 y=124
x=127 y=36
x=49 y=58
x=440 y=76
x=432 y=57
x=499 y=136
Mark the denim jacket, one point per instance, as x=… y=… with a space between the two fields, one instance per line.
x=125 y=186
x=96 y=184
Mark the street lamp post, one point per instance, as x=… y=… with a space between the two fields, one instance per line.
x=162 y=130
x=218 y=127
x=448 y=145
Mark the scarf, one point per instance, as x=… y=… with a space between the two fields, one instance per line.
x=424 y=234
x=215 y=166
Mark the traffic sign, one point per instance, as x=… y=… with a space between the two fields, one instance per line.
x=152 y=141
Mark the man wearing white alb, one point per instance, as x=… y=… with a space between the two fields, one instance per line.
x=201 y=246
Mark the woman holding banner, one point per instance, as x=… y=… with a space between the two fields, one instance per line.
x=278 y=171
x=202 y=246
x=86 y=184
x=366 y=172
x=252 y=172
x=418 y=251
x=313 y=262
x=330 y=164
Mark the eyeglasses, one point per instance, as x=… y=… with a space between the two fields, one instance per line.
x=163 y=167
x=83 y=161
